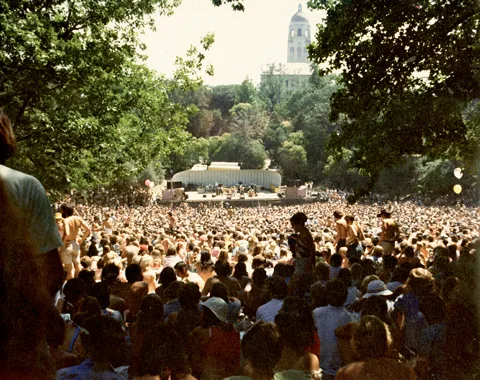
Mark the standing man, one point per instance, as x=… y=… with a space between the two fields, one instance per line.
x=303 y=247
x=70 y=253
x=28 y=194
x=171 y=221
x=341 y=225
x=390 y=232
x=108 y=224
x=354 y=238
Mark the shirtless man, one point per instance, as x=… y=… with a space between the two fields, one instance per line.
x=108 y=224
x=354 y=237
x=341 y=225
x=70 y=253
x=390 y=232
x=171 y=221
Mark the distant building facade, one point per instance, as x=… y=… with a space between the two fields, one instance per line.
x=291 y=76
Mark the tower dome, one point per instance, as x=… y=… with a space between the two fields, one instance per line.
x=298 y=37
x=299 y=16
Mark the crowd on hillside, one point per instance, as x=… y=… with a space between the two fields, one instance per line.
x=323 y=290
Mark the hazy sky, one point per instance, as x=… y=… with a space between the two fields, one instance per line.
x=244 y=41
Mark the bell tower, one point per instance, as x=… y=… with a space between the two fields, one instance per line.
x=298 y=37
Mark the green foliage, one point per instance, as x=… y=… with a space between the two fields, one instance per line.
x=292 y=158
x=219 y=124
x=193 y=152
x=341 y=175
x=224 y=98
x=248 y=152
x=237 y=5
x=153 y=172
x=471 y=149
x=399 y=180
x=84 y=113
x=308 y=109
x=252 y=154
x=275 y=135
x=201 y=123
x=409 y=69
x=418 y=175
x=436 y=178
x=247 y=93
x=271 y=90
x=247 y=121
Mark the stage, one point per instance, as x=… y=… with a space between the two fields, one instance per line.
x=263 y=198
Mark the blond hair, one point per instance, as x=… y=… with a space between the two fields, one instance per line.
x=371 y=337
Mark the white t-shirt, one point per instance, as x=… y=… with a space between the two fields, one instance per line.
x=29 y=195
x=196 y=279
x=171 y=261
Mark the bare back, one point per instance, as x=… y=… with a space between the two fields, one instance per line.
x=341 y=225
x=72 y=226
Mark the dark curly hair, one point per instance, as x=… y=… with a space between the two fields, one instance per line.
x=8 y=144
x=299 y=218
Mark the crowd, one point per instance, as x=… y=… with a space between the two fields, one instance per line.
x=313 y=291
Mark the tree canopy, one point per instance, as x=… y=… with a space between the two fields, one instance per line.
x=84 y=111
x=409 y=70
x=87 y=112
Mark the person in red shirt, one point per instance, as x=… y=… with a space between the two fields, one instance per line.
x=214 y=347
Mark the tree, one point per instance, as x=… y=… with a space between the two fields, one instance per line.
x=195 y=151
x=409 y=68
x=292 y=159
x=237 y=5
x=247 y=121
x=400 y=180
x=341 y=175
x=84 y=113
x=153 y=172
x=274 y=136
x=148 y=130
x=231 y=148
x=201 y=123
x=50 y=46
x=247 y=93
x=271 y=90
x=219 y=124
x=308 y=109
x=471 y=117
x=252 y=154
x=224 y=98
x=436 y=178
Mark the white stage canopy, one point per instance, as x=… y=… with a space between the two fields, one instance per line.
x=229 y=177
